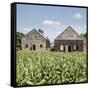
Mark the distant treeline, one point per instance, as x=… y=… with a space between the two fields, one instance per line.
x=19 y=36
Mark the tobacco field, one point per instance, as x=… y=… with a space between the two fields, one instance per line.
x=44 y=68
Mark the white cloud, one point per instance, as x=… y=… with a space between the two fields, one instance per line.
x=26 y=30
x=77 y=16
x=53 y=24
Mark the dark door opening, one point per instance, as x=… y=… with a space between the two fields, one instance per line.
x=64 y=48
x=77 y=47
x=69 y=48
x=26 y=45
x=34 y=47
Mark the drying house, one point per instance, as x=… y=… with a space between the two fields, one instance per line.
x=69 y=40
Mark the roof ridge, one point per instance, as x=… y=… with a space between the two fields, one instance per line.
x=74 y=30
x=65 y=31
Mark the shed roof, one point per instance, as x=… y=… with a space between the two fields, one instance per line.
x=68 y=34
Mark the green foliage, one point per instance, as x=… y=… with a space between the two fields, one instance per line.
x=19 y=37
x=40 y=68
x=41 y=31
x=85 y=35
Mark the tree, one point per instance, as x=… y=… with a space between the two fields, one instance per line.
x=41 y=31
x=85 y=35
x=19 y=37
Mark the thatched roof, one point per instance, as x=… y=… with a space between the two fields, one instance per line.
x=68 y=34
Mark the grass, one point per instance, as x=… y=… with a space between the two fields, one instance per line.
x=40 y=68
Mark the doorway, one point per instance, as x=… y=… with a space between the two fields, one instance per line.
x=26 y=46
x=69 y=48
x=34 y=47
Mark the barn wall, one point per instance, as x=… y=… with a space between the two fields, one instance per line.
x=37 y=44
x=70 y=43
x=47 y=43
x=23 y=42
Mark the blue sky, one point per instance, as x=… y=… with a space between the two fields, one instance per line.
x=52 y=20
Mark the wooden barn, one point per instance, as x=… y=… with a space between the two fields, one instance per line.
x=69 y=40
x=34 y=40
